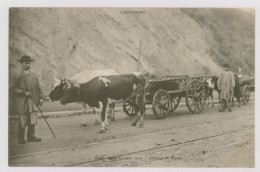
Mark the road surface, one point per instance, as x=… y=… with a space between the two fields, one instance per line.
x=208 y=139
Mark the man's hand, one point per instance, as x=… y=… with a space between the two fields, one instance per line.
x=27 y=94
x=41 y=102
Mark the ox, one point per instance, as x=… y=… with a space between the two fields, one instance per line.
x=60 y=85
x=99 y=89
x=211 y=85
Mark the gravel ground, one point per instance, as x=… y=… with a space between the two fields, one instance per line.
x=208 y=139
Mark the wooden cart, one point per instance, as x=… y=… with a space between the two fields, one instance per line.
x=244 y=91
x=165 y=93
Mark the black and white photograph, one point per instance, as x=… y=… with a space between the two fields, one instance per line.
x=153 y=87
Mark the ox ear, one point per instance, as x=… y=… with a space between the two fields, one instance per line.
x=134 y=86
x=64 y=80
x=55 y=79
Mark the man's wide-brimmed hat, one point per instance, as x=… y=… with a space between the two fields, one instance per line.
x=26 y=59
x=226 y=65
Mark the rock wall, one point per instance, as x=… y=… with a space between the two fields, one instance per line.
x=65 y=41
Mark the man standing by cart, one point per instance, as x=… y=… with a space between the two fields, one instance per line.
x=137 y=100
x=226 y=84
x=240 y=80
x=27 y=91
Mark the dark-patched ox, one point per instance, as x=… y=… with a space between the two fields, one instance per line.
x=212 y=84
x=99 y=89
x=59 y=89
x=60 y=86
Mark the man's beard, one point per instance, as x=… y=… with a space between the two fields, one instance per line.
x=27 y=68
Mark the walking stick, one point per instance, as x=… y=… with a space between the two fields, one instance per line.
x=44 y=117
x=40 y=112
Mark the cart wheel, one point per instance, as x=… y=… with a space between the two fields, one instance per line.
x=246 y=94
x=195 y=96
x=129 y=109
x=161 y=104
x=175 y=103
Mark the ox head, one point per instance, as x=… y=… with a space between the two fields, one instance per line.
x=71 y=93
x=209 y=83
x=213 y=82
x=58 y=89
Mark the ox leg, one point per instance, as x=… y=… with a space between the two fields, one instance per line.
x=212 y=101
x=97 y=121
x=106 y=116
x=109 y=113
x=207 y=102
x=112 y=111
x=84 y=110
x=141 y=124
x=219 y=100
x=104 y=121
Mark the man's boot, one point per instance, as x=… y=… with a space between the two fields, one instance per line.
x=21 y=140
x=135 y=120
x=20 y=134
x=222 y=106
x=228 y=106
x=31 y=134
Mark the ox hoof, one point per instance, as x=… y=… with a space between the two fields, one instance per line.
x=221 y=110
x=97 y=123
x=83 y=125
x=133 y=124
x=113 y=119
x=106 y=127
x=141 y=125
x=102 y=131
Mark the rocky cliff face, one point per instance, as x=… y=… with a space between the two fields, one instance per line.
x=65 y=41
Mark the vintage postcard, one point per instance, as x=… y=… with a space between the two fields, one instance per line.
x=126 y=87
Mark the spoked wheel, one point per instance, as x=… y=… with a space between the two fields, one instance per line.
x=129 y=109
x=175 y=103
x=195 y=96
x=161 y=104
x=246 y=94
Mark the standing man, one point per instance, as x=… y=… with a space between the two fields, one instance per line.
x=240 y=80
x=226 y=84
x=27 y=89
x=138 y=98
x=240 y=74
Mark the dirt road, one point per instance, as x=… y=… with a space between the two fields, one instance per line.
x=208 y=139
